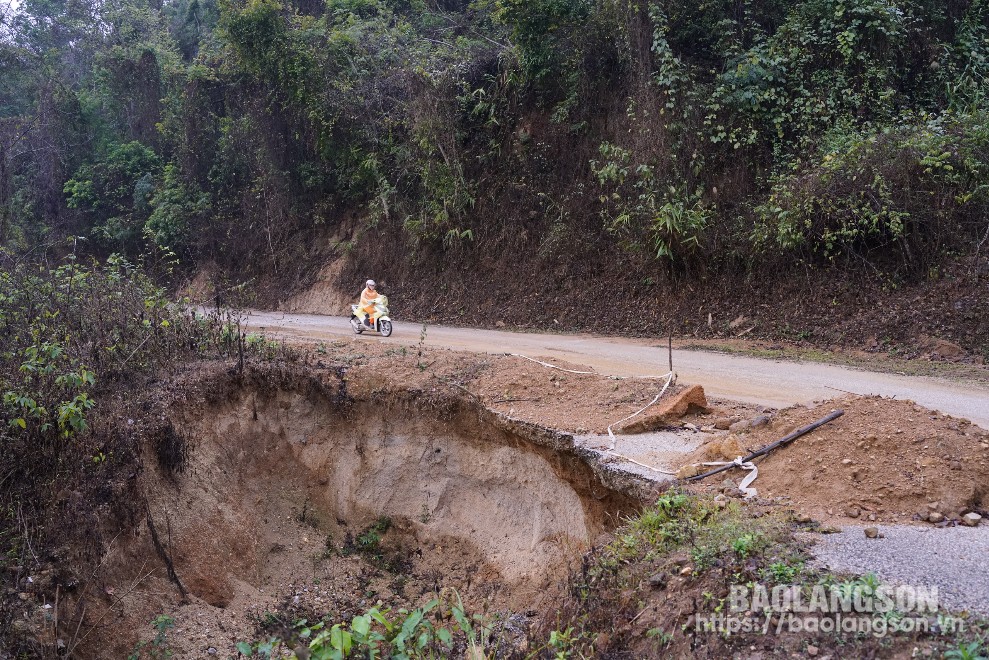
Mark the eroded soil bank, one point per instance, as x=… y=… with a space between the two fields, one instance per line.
x=276 y=491
x=366 y=473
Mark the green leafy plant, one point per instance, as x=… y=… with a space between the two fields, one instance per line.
x=157 y=647
x=973 y=650
x=382 y=632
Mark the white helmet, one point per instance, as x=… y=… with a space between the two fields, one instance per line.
x=369 y=283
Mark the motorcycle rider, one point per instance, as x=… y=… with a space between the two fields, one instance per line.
x=368 y=296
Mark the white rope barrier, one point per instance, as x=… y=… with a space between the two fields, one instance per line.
x=670 y=378
x=749 y=493
x=551 y=366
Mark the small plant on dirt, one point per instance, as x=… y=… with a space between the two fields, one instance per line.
x=421 y=350
x=424 y=514
x=561 y=642
x=370 y=540
x=782 y=572
x=662 y=638
x=266 y=649
x=974 y=650
x=157 y=648
x=368 y=545
x=744 y=544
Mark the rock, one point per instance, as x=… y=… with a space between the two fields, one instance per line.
x=687 y=571
x=802 y=518
x=935 y=517
x=934 y=506
x=955 y=465
x=688 y=471
x=761 y=420
x=721 y=501
x=211 y=651
x=658 y=581
x=737 y=322
x=853 y=512
x=971 y=519
x=872 y=517
x=689 y=400
x=846 y=461
x=726 y=448
x=742 y=425
x=729 y=486
x=723 y=423
x=871 y=532
x=812 y=651
x=499 y=324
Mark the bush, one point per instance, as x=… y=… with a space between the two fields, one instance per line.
x=901 y=195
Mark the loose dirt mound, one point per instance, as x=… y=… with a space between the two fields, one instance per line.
x=883 y=461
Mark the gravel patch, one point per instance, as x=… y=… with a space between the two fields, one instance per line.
x=955 y=559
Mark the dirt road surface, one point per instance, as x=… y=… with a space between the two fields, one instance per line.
x=738 y=378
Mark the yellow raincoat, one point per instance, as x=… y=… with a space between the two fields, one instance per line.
x=368 y=296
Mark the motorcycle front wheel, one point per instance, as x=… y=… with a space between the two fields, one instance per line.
x=356 y=324
x=384 y=327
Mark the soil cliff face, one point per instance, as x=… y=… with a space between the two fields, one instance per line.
x=262 y=484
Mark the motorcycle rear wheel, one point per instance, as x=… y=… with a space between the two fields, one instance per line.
x=384 y=327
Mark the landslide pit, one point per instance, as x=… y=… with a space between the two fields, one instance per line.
x=254 y=489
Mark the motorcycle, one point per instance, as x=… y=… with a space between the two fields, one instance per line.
x=379 y=321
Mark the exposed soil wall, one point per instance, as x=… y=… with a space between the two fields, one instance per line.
x=258 y=482
x=943 y=318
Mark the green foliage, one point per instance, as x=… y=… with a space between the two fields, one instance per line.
x=178 y=209
x=914 y=189
x=541 y=30
x=233 y=131
x=784 y=572
x=669 y=223
x=70 y=328
x=432 y=631
x=117 y=189
x=973 y=650
x=157 y=647
x=744 y=544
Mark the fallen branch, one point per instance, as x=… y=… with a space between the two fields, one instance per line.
x=768 y=448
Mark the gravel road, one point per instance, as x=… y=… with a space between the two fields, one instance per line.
x=738 y=378
x=953 y=559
